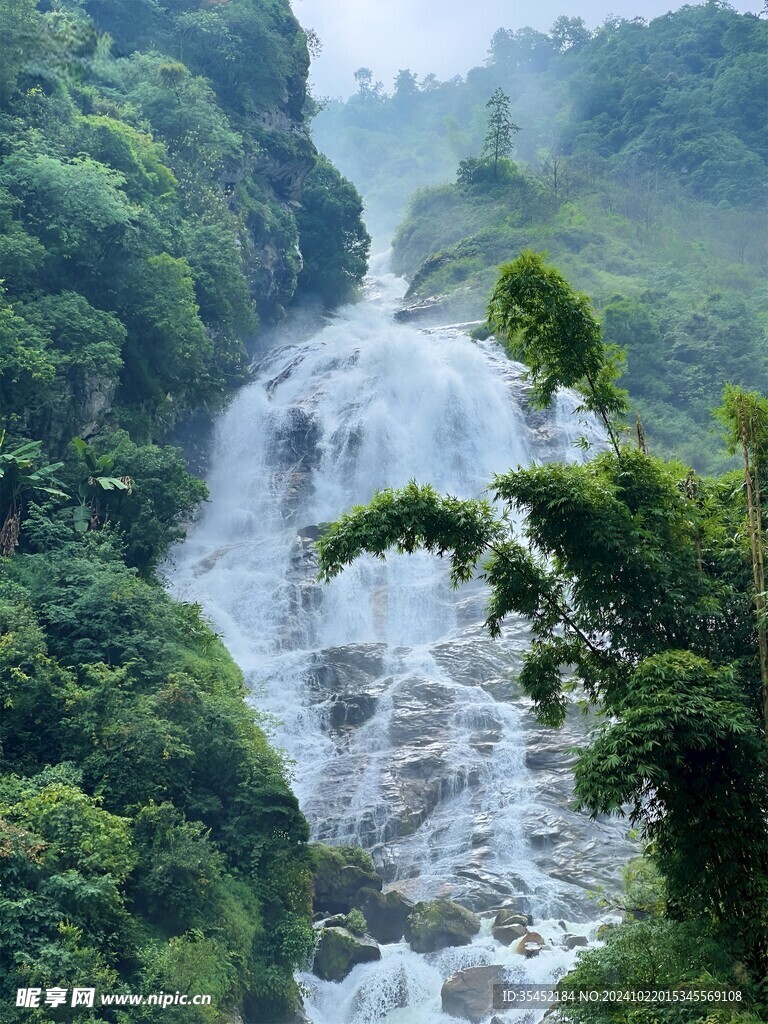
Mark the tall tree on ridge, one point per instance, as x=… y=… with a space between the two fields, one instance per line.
x=501 y=128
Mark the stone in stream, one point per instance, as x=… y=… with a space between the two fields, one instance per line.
x=440 y=923
x=469 y=994
x=507 y=917
x=336 y=921
x=339 y=951
x=507 y=933
x=531 y=944
x=341 y=872
x=573 y=941
x=386 y=913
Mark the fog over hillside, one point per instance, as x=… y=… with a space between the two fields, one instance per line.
x=445 y=39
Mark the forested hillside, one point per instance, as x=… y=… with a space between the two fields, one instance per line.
x=159 y=198
x=639 y=166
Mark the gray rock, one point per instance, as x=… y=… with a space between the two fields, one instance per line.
x=386 y=913
x=573 y=941
x=469 y=994
x=508 y=917
x=434 y=304
x=336 y=921
x=531 y=944
x=440 y=923
x=507 y=933
x=339 y=951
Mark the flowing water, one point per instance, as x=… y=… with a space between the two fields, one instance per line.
x=408 y=733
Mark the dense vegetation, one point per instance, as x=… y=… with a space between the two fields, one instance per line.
x=153 y=160
x=657 y=608
x=640 y=168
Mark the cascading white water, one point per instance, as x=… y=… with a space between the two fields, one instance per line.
x=402 y=718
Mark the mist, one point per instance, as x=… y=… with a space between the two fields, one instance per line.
x=446 y=39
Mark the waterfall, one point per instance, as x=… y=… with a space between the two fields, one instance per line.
x=402 y=719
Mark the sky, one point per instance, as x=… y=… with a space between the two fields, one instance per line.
x=447 y=37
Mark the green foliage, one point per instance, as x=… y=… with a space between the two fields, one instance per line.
x=22 y=476
x=501 y=129
x=178 y=863
x=416 y=517
x=156 y=498
x=335 y=244
x=20 y=25
x=101 y=669
x=70 y=205
x=356 y=922
x=659 y=954
x=552 y=329
x=148 y=181
x=138 y=198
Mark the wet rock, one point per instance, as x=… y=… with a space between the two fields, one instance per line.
x=386 y=913
x=469 y=993
x=351 y=709
x=431 y=306
x=508 y=933
x=311 y=532
x=519 y=905
x=297 y=438
x=531 y=944
x=440 y=923
x=483 y=890
x=335 y=921
x=507 y=917
x=348 y=682
x=339 y=951
x=341 y=872
x=573 y=941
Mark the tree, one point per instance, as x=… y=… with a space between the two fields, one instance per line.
x=553 y=331
x=406 y=90
x=637 y=576
x=334 y=241
x=20 y=27
x=367 y=89
x=569 y=33
x=498 y=140
x=97 y=478
x=556 y=173
x=20 y=476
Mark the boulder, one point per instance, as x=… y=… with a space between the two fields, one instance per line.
x=340 y=874
x=504 y=918
x=386 y=913
x=335 y=921
x=573 y=941
x=440 y=923
x=531 y=944
x=507 y=933
x=339 y=951
x=469 y=994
